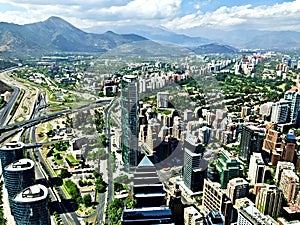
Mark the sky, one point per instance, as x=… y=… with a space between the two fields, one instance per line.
x=183 y=16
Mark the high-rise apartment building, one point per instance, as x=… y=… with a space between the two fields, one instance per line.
x=248 y=214
x=192 y=216
x=195 y=168
x=289 y=184
x=214 y=198
x=11 y=152
x=257 y=169
x=129 y=119
x=18 y=176
x=228 y=167
x=281 y=165
x=251 y=141
x=280 y=111
x=294 y=98
x=269 y=200
x=162 y=99
x=30 y=206
x=237 y=188
x=288 y=147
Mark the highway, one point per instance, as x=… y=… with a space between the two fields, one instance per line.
x=6 y=110
x=12 y=129
x=110 y=188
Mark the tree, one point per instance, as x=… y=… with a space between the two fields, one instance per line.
x=64 y=173
x=87 y=200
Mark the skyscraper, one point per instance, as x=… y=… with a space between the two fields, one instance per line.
x=257 y=169
x=251 y=141
x=147 y=188
x=30 y=206
x=237 y=188
x=129 y=119
x=289 y=184
x=288 y=147
x=11 y=152
x=228 y=167
x=269 y=200
x=195 y=168
x=248 y=214
x=280 y=111
x=162 y=99
x=214 y=198
x=19 y=175
x=294 y=98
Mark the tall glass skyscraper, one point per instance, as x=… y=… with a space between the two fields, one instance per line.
x=30 y=206
x=11 y=152
x=129 y=119
x=19 y=175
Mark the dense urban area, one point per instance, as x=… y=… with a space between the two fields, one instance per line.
x=204 y=139
x=118 y=129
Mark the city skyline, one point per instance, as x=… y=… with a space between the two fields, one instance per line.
x=182 y=16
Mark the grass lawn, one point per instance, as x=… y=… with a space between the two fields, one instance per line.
x=73 y=161
x=58 y=161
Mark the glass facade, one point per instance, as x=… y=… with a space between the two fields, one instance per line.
x=10 y=153
x=30 y=206
x=19 y=175
x=129 y=119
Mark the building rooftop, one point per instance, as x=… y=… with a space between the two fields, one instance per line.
x=19 y=165
x=145 y=162
x=32 y=194
x=12 y=146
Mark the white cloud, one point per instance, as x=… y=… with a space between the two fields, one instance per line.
x=94 y=11
x=166 y=13
x=278 y=16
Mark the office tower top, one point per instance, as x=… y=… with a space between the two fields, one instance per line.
x=162 y=99
x=257 y=168
x=282 y=165
x=251 y=141
x=248 y=214
x=11 y=152
x=129 y=119
x=269 y=200
x=294 y=98
x=19 y=175
x=228 y=167
x=30 y=206
x=195 y=168
x=147 y=188
x=237 y=188
x=147 y=216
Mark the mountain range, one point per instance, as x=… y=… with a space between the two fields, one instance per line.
x=57 y=35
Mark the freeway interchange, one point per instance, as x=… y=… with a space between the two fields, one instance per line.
x=27 y=130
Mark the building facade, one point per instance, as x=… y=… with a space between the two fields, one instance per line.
x=30 y=206
x=11 y=152
x=195 y=168
x=228 y=167
x=257 y=169
x=237 y=188
x=18 y=176
x=269 y=200
x=214 y=198
x=129 y=119
x=251 y=141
